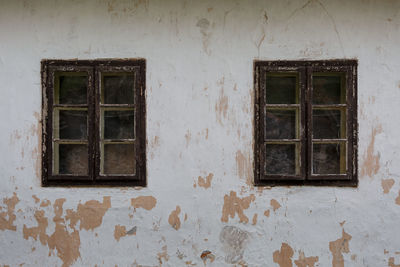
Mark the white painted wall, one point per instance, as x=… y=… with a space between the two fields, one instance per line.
x=200 y=56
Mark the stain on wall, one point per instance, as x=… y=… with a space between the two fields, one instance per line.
x=234 y=241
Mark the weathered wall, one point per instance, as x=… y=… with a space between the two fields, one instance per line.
x=200 y=207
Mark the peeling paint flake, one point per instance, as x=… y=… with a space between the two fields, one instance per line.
x=206 y=181
x=234 y=204
x=145 y=202
x=173 y=218
x=387 y=185
x=304 y=261
x=8 y=217
x=284 y=256
x=338 y=247
x=371 y=157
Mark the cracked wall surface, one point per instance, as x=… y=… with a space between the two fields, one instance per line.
x=200 y=207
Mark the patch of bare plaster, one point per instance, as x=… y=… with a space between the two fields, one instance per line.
x=206 y=181
x=371 y=158
x=234 y=241
x=275 y=204
x=254 y=221
x=234 y=204
x=8 y=217
x=204 y=26
x=338 y=247
x=37 y=200
x=266 y=213
x=66 y=243
x=163 y=256
x=221 y=107
x=398 y=199
x=145 y=202
x=173 y=218
x=45 y=203
x=37 y=231
x=387 y=185
x=284 y=256
x=89 y=214
x=391 y=263
x=304 y=261
x=243 y=166
x=207 y=256
x=119 y=231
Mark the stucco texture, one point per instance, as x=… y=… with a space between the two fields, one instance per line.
x=200 y=207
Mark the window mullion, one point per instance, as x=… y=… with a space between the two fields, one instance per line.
x=308 y=121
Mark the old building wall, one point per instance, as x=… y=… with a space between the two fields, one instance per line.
x=200 y=207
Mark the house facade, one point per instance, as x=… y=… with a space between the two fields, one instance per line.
x=200 y=205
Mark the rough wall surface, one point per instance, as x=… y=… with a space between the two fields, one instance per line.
x=200 y=208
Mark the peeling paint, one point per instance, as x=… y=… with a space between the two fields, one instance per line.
x=371 y=158
x=391 y=263
x=338 y=247
x=275 y=204
x=244 y=167
x=89 y=214
x=284 y=256
x=173 y=218
x=254 y=221
x=145 y=202
x=205 y=182
x=8 y=224
x=221 y=107
x=234 y=204
x=387 y=185
x=207 y=255
x=119 y=231
x=304 y=261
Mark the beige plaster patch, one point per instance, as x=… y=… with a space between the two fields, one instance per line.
x=234 y=204
x=284 y=256
x=338 y=247
x=8 y=217
x=275 y=204
x=173 y=218
x=206 y=181
x=371 y=158
x=145 y=202
x=304 y=261
x=387 y=185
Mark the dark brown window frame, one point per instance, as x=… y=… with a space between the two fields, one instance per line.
x=305 y=69
x=94 y=69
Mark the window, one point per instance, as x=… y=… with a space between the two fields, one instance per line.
x=94 y=122
x=306 y=122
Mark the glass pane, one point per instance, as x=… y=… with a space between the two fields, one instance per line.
x=328 y=124
x=70 y=124
x=281 y=90
x=329 y=158
x=329 y=89
x=119 y=124
x=118 y=89
x=71 y=159
x=280 y=124
x=282 y=159
x=71 y=89
x=119 y=159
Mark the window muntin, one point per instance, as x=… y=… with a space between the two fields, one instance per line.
x=303 y=131
x=94 y=126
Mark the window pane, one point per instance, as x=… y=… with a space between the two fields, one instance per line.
x=281 y=124
x=118 y=89
x=329 y=89
x=70 y=124
x=328 y=124
x=119 y=159
x=281 y=90
x=282 y=159
x=71 y=159
x=119 y=124
x=71 y=89
x=329 y=158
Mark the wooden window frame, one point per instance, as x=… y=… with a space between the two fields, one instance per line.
x=94 y=68
x=305 y=70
